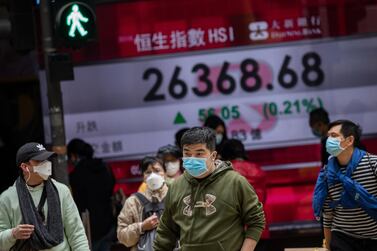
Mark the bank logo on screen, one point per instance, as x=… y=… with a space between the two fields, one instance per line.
x=258 y=30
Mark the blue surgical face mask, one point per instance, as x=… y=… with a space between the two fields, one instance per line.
x=333 y=146
x=316 y=133
x=195 y=166
x=219 y=138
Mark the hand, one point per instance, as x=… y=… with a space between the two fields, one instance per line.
x=22 y=231
x=150 y=222
x=248 y=244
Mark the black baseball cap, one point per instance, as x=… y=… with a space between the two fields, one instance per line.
x=34 y=151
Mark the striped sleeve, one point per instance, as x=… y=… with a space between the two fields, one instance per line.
x=373 y=163
x=355 y=221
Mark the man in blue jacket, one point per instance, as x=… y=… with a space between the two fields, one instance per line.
x=346 y=191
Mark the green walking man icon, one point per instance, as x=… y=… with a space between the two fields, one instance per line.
x=74 y=20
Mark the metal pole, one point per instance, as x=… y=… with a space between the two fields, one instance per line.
x=55 y=102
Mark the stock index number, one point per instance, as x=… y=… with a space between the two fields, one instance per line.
x=250 y=81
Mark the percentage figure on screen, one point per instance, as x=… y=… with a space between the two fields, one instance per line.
x=291 y=107
x=308 y=104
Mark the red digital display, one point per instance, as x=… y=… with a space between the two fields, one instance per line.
x=142 y=28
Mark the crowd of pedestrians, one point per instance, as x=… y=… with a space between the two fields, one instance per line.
x=202 y=193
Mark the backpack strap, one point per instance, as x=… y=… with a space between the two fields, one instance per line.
x=143 y=200
x=154 y=207
x=158 y=207
x=150 y=207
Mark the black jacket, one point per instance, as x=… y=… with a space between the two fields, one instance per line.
x=92 y=187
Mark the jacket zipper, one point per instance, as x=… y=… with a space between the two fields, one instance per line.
x=193 y=202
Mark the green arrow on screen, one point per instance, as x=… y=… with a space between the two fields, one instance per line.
x=179 y=119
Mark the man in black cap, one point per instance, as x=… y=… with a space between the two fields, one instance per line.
x=37 y=212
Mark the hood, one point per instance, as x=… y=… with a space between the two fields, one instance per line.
x=221 y=168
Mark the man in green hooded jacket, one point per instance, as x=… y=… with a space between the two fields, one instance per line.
x=211 y=207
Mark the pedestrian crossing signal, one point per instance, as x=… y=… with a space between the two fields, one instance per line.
x=75 y=24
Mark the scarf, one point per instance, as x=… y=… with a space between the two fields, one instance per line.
x=335 y=175
x=44 y=236
x=329 y=176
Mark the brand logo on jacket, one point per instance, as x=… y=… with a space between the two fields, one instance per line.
x=207 y=204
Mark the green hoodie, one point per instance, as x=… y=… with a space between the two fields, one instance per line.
x=223 y=212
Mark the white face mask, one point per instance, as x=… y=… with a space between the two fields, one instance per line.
x=154 y=181
x=172 y=168
x=44 y=169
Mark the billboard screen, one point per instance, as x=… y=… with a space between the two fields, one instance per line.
x=261 y=71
